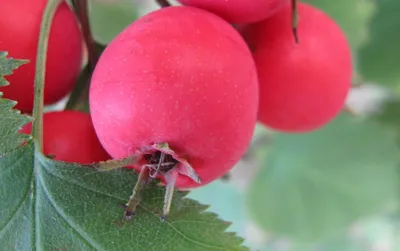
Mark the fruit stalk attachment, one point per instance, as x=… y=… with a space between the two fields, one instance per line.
x=159 y=160
x=295 y=21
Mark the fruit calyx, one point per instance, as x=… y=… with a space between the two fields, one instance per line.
x=162 y=159
x=159 y=159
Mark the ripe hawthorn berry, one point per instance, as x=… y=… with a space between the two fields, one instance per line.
x=19 y=28
x=239 y=11
x=69 y=136
x=304 y=85
x=178 y=90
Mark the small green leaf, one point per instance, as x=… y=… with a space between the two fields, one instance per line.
x=379 y=59
x=109 y=18
x=10 y=120
x=314 y=185
x=8 y=65
x=351 y=15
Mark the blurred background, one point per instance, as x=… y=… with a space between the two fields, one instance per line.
x=336 y=189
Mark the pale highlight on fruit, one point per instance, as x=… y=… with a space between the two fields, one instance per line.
x=302 y=86
x=239 y=11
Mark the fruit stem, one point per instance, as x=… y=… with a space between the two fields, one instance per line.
x=81 y=10
x=163 y=3
x=295 y=21
x=39 y=82
x=81 y=90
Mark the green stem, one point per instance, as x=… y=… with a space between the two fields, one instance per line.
x=37 y=130
x=80 y=93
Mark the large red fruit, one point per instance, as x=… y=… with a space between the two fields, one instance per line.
x=302 y=86
x=181 y=76
x=19 y=28
x=69 y=136
x=239 y=11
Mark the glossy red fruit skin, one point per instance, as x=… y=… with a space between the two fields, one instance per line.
x=302 y=86
x=70 y=137
x=179 y=75
x=19 y=27
x=239 y=11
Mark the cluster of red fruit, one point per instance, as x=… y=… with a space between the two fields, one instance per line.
x=181 y=88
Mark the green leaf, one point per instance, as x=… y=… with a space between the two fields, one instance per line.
x=314 y=185
x=10 y=120
x=379 y=59
x=109 y=18
x=65 y=206
x=351 y=15
x=7 y=66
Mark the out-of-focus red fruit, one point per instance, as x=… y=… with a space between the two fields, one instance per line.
x=302 y=86
x=69 y=136
x=19 y=28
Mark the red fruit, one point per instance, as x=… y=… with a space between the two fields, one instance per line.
x=181 y=76
x=69 y=136
x=302 y=86
x=19 y=28
x=239 y=11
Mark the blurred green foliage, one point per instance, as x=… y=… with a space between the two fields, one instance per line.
x=109 y=18
x=379 y=58
x=352 y=16
x=315 y=185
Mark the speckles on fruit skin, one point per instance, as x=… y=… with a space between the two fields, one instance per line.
x=197 y=94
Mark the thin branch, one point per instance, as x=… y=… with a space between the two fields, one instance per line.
x=81 y=9
x=81 y=92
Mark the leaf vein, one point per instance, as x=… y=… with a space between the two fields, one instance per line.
x=77 y=230
x=12 y=217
